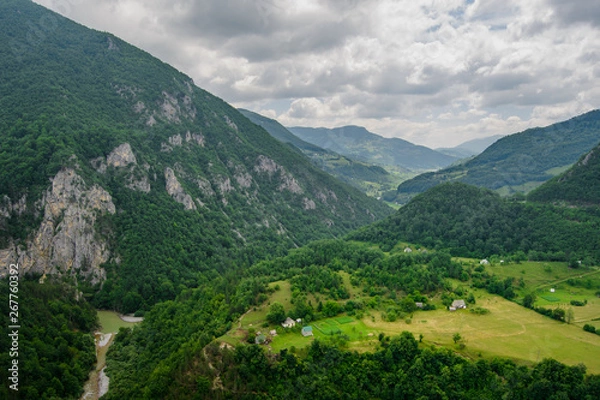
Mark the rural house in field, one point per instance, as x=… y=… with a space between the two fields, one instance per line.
x=408 y=250
x=457 y=305
x=419 y=304
x=260 y=339
x=307 y=331
x=288 y=323
x=484 y=262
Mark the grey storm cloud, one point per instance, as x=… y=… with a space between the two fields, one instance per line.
x=576 y=11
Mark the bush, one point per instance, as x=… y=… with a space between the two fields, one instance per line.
x=589 y=328
x=578 y=303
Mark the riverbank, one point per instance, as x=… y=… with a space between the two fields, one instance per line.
x=110 y=322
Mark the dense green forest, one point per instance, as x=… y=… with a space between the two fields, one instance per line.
x=472 y=222
x=70 y=96
x=513 y=161
x=173 y=355
x=580 y=185
x=399 y=369
x=74 y=95
x=56 y=348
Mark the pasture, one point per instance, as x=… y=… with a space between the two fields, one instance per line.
x=509 y=330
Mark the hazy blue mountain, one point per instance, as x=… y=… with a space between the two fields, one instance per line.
x=360 y=144
x=470 y=148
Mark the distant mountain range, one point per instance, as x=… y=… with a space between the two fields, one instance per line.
x=370 y=178
x=470 y=148
x=360 y=144
x=518 y=162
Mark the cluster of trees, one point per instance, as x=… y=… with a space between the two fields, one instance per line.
x=471 y=222
x=399 y=369
x=56 y=349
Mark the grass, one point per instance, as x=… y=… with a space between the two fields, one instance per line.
x=510 y=330
x=110 y=322
x=541 y=277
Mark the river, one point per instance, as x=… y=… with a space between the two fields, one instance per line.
x=110 y=322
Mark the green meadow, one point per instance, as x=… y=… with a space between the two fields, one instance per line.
x=508 y=330
x=110 y=322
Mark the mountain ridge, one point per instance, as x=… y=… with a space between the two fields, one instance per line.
x=357 y=142
x=518 y=162
x=111 y=144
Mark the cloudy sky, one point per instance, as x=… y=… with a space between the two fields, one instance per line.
x=434 y=72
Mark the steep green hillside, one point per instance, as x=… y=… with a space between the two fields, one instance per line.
x=579 y=185
x=117 y=171
x=372 y=179
x=360 y=144
x=473 y=222
x=54 y=349
x=519 y=162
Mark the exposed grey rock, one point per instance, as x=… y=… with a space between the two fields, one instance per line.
x=121 y=156
x=176 y=191
x=66 y=241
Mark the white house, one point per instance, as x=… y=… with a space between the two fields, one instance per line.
x=457 y=305
x=288 y=323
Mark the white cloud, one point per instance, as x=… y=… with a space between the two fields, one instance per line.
x=434 y=72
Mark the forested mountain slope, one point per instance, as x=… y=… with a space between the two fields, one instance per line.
x=474 y=222
x=119 y=172
x=518 y=162
x=579 y=185
x=367 y=177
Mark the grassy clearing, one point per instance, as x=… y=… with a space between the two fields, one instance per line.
x=110 y=322
x=509 y=330
x=550 y=281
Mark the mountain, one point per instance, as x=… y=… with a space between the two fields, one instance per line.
x=468 y=221
x=580 y=185
x=369 y=178
x=518 y=162
x=121 y=175
x=470 y=148
x=360 y=144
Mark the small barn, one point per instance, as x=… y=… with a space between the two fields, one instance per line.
x=307 y=331
x=408 y=250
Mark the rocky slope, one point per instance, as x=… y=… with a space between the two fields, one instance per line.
x=125 y=175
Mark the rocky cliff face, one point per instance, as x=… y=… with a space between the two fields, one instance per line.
x=66 y=241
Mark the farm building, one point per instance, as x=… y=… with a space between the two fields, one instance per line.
x=418 y=304
x=260 y=339
x=408 y=250
x=484 y=262
x=457 y=305
x=288 y=323
x=307 y=331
